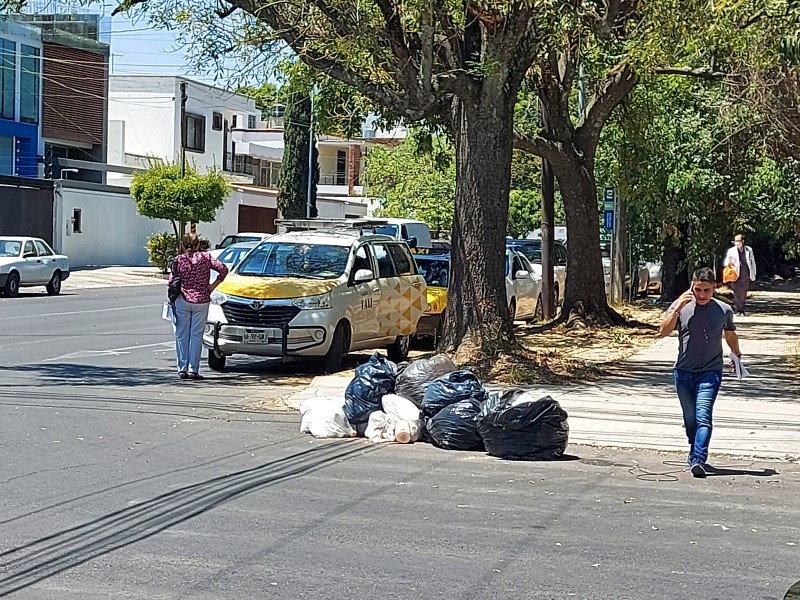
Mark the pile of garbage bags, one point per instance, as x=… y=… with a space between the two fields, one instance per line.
x=432 y=400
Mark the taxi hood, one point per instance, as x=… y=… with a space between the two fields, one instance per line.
x=275 y=288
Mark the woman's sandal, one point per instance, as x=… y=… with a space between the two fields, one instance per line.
x=183 y=375
x=195 y=376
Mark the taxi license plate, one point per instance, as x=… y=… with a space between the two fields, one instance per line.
x=260 y=337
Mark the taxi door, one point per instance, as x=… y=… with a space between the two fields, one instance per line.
x=403 y=299
x=365 y=297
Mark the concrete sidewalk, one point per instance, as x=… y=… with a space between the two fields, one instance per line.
x=637 y=406
x=103 y=277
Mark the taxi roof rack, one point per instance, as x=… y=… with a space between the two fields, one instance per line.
x=355 y=226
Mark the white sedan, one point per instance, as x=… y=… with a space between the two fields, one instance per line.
x=523 y=288
x=27 y=262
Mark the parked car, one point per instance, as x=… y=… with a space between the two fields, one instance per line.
x=523 y=288
x=532 y=249
x=415 y=233
x=434 y=265
x=317 y=294
x=233 y=255
x=654 y=271
x=28 y=262
x=238 y=238
x=641 y=278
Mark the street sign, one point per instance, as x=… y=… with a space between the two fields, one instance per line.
x=608 y=219
x=608 y=199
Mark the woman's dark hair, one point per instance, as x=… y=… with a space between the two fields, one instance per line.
x=704 y=274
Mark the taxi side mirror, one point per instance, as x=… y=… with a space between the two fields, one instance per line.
x=363 y=276
x=521 y=274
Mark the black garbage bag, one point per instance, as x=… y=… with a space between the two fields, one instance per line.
x=374 y=379
x=415 y=379
x=455 y=427
x=449 y=389
x=517 y=426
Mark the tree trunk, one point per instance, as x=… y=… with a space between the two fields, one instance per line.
x=585 y=299
x=674 y=274
x=478 y=324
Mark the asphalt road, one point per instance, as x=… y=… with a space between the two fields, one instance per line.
x=118 y=480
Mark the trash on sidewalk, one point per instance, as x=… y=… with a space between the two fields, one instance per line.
x=455 y=427
x=416 y=377
x=323 y=417
x=372 y=382
x=449 y=389
x=516 y=425
x=457 y=413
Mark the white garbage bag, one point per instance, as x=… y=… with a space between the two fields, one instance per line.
x=324 y=418
x=407 y=418
x=380 y=427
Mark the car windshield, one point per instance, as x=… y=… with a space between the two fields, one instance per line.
x=289 y=259
x=436 y=272
x=533 y=252
x=10 y=248
x=233 y=254
x=230 y=240
x=390 y=230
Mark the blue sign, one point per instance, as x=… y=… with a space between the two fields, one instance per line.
x=608 y=219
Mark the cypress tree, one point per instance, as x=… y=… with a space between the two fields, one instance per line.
x=293 y=182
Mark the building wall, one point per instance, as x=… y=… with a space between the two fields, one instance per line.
x=112 y=232
x=21 y=142
x=74 y=94
x=150 y=108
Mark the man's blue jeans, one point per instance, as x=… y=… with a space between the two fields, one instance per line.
x=697 y=393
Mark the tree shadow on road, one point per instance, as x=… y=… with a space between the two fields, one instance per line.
x=37 y=560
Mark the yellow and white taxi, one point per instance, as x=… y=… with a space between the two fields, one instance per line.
x=317 y=294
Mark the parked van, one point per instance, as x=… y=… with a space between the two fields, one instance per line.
x=413 y=232
x=317 y=293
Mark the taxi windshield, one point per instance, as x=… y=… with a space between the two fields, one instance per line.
x=290 y=259
x=435 y=271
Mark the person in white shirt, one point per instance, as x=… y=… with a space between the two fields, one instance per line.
x=743 y=261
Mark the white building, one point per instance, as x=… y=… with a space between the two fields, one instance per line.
x=144 y=114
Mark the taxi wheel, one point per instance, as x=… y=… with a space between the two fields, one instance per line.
x=216 y=363
x=398 y=351
x=339 y=347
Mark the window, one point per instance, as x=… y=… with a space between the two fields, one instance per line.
x=385 y=264
x=235 y=119
x=30 y=250
x=436 y=272
x=7 y=155
x=402 y=260
x=8 y=79
x=29 y=82
x=362 y=260
x=251 y=122
x=43 y=249
x=518 y=266
x=77 y=224
x=341 y=167
x=195 y=133
x=561 y=256
x=216 y=123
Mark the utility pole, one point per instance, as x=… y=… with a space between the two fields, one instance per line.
x=309 y=207
x=183 y=143
x=548 y=228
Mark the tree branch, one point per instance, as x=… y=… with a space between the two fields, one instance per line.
x=540 y=146
x=700 y=73
x=617 y=85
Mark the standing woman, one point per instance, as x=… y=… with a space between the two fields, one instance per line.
x=193 y=268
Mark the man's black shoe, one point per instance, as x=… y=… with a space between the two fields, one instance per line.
x=698 y=471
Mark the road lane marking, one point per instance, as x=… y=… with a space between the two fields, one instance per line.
x=109 y=352
x=81 y=312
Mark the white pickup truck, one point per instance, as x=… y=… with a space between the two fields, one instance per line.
x=27 y=262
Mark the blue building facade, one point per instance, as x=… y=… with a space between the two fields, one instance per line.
x=21 y=145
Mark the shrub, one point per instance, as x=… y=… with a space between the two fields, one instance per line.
x=161 y=249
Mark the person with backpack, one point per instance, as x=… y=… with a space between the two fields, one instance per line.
x=189 y=291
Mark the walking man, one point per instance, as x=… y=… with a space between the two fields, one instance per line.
x=701 y=321
x=740 y=256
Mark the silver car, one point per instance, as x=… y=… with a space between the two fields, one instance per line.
x=28 y=262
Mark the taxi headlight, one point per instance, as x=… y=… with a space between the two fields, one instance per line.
x=218 y=298
x=313 y=302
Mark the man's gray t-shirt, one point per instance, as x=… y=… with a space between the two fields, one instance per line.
x=700 y=335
